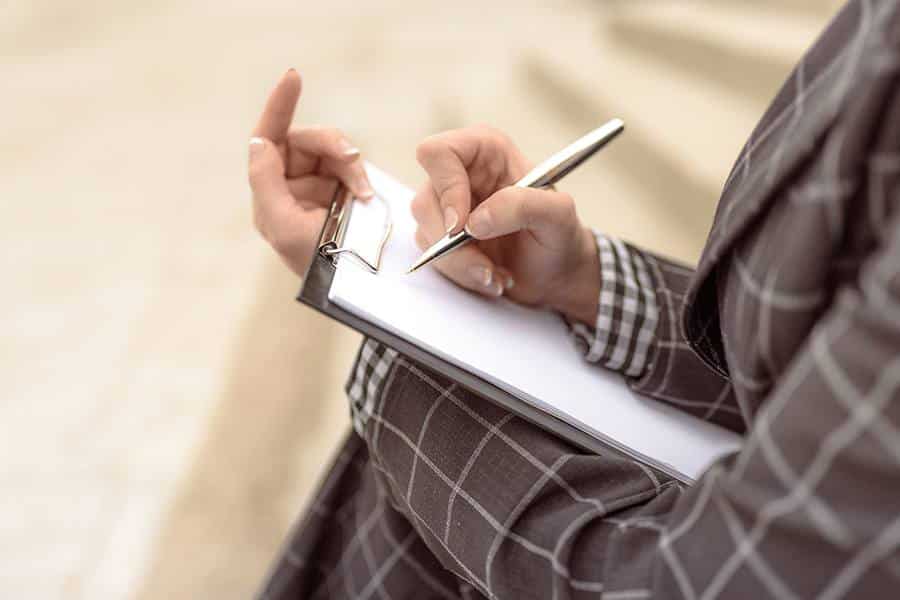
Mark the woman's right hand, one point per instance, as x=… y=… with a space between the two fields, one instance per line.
x=293 y=173
x=531 y=246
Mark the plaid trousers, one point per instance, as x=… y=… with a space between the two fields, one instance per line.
x=788 y=332
x=464 y=502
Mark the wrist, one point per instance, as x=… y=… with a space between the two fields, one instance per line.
x=578 y=296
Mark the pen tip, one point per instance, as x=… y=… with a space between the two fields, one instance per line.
x=423 y=260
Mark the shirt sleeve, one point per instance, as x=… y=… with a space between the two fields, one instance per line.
x=627 y=314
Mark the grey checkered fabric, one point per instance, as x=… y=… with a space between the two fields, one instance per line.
x=788 y=331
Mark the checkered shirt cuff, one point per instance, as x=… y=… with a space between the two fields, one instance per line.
x=623 y=333
x=366 y=379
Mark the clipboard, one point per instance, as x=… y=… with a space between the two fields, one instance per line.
x=315 y=294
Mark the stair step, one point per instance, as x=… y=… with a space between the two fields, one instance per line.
x=746 y=52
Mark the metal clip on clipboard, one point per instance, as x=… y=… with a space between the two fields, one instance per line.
x=331 y=241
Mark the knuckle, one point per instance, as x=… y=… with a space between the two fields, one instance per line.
x=325 y=134
x=334 y=135
x=305 y=134
x=435 y=145
x=566 y=202
x=485 y=129
x=496 y=165
x=492 y=134
x=427 y=148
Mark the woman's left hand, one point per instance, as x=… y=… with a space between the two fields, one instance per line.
x=293 y=173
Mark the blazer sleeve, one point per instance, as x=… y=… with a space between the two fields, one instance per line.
x=638 y=333
x=808 y=508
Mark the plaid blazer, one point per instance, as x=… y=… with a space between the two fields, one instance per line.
x=788 y=331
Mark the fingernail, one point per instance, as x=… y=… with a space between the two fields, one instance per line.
x=364 y=189
x=479 y=224
x=256 y=146
x=510 y=283
x=481 y=275
x=348 y=149
x=451 y=218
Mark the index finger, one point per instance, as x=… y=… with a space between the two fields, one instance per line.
x=445 y=158
x=278 y=113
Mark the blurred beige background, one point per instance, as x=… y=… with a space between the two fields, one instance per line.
x=166 y=406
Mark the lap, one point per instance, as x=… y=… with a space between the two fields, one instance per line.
x=446 y=488
x=351 y=543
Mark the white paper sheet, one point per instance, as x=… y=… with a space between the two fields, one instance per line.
x=525 y=351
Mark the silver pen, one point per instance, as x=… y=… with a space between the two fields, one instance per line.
x=545 y=174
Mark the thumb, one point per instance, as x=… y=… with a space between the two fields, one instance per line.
x=266 y=175
x=549 y=215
